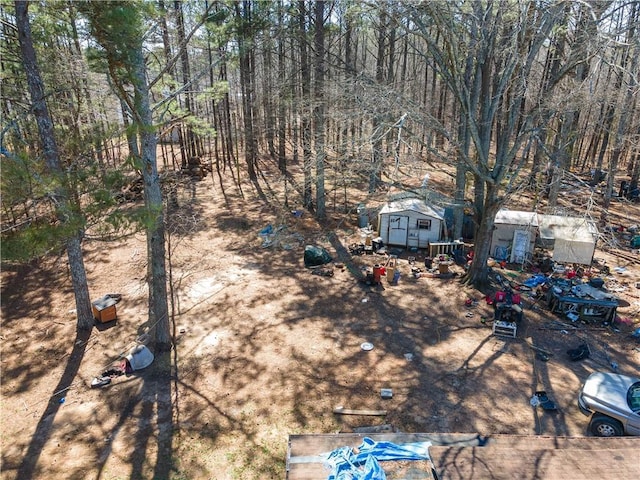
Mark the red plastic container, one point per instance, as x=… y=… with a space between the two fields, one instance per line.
x=378 y=272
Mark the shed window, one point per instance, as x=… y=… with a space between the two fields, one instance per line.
x=424 y=224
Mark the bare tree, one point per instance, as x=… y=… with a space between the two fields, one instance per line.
x=628 y=71
x=485 y=54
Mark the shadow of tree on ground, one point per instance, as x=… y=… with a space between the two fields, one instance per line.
x=43 y=431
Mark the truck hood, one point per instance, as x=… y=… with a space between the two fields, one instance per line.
x=608 y=389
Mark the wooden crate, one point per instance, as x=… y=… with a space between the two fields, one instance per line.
x=104 y=309
x=505 y=329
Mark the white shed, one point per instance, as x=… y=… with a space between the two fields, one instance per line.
x=410 y=222
x=514 y=235
x=572 y=239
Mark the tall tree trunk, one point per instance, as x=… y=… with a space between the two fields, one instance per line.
x=132 y=141
x=634 y=167
x=97 y=127
x=478 y=272
x=189 y=136
x=347 y=78
x=212 y=115
x=376 y=123
x=282 y=121
x=124 y=49
x=305 y=72
x=559 y=161
x=606 y=132
x=243 y=16
x=61 y=196
x=158 y=305
x=269 y=116
x=318 y=116
x=631 y=51
x=224 y=110
x=390 y=79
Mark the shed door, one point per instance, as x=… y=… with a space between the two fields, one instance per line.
x=398 y=229
x=520 y=246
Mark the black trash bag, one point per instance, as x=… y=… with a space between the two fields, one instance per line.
x=579 y=353
x=316 y=256
x=545 y=402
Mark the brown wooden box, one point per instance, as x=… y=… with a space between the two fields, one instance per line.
x=104 y=309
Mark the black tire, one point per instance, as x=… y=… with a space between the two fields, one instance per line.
x=501 y=315
x=603 y=426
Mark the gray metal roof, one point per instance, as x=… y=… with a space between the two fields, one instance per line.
x=576 y=229
x=417 y=205
x=516 y=217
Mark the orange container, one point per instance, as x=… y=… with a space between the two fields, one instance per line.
x=104 y=309
x=378 y=272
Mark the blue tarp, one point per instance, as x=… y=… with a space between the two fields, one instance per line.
x=535 y=281
x=268 y=230
x=345 y=464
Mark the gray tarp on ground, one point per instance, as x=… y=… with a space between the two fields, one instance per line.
x=315 y=256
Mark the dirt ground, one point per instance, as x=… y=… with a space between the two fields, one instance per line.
x=265 y=348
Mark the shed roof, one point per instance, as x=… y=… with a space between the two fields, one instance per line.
x=549 y=458
x=576 y=229
x=469 y=456
x=516 y=217
x=417 y=205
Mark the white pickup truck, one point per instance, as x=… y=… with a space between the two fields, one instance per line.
x=613 y=402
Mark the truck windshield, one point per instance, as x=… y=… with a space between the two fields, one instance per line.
x=633 y=397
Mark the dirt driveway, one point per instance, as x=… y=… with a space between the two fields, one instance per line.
x=266 y=349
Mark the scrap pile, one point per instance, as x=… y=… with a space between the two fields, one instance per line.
x=280 y=236
x=581 y=301
x=436 y=267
